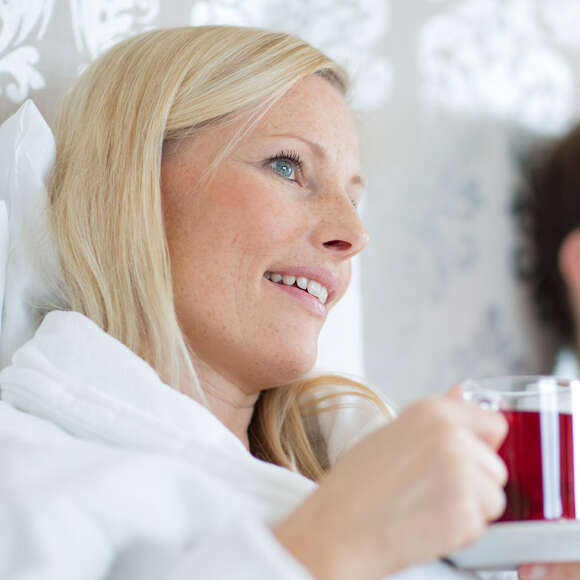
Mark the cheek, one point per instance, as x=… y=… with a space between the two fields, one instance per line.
x=252 y=215
x=230 y=231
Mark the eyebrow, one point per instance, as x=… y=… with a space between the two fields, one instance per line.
x=320 y=151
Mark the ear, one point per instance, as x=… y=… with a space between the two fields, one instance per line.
x=569 y=262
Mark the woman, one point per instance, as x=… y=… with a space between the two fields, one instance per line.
x=203 y=203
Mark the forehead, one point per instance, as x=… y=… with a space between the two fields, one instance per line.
x=313 y=109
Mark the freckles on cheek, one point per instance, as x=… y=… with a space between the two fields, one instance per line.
x=263 y=216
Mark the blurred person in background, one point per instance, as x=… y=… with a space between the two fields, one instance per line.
x=549 y=213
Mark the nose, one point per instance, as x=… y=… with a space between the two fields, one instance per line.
x=340 y=231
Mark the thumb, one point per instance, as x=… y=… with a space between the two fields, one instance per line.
x=455 y=392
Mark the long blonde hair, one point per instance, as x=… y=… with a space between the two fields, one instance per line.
x=105 y=196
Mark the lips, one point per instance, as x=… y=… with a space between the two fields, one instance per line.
x=311 y=303
x=313 y=287
x=322 y=283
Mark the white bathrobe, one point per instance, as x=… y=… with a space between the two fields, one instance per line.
x=107 y=473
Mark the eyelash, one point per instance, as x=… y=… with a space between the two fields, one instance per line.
x=293 y=156
x=289 y=155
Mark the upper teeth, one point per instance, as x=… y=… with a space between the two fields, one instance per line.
x=311 y=286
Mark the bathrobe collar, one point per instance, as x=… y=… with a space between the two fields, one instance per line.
x=74 y=374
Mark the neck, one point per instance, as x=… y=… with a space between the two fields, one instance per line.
x=228 y=401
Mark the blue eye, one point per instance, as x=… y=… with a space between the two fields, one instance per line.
x=284 y=168
x=286 y=164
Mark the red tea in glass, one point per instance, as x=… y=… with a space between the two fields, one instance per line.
x=542 y=414
x=539 y=454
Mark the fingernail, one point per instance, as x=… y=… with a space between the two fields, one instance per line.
x=538 y=572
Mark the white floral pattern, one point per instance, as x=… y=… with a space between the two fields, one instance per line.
x=562 y=19
x=99 y=24
x=437 y=238
x=22 y=24
x=498 y=57
x=347 y=31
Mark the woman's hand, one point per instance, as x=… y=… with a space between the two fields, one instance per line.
x=424 y=485
x=569 y=571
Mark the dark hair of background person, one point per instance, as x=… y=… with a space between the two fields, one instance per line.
x=547 y=207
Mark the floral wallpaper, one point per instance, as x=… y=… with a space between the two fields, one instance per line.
x=99 y=25
x=447 y=93
x=346 y=30
x=503 y=59
x=23 y=24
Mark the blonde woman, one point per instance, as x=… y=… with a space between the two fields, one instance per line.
x=160 y=425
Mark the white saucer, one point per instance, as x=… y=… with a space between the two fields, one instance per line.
x=506 y=545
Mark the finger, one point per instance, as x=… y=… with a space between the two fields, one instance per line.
x=531 y=571
x=492 y=499
x=455 y=392
x=490 y=426
x=491 y=464
x=564 y=571
x=485 y=477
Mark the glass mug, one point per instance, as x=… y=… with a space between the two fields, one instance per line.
x=542 y=447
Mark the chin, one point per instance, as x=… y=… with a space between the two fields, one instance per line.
x=290 y=366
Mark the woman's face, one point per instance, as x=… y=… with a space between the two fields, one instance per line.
x=281 y=204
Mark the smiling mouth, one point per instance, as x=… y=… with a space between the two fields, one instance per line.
x=312 y=287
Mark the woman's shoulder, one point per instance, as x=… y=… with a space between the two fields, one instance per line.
x=114 y=506
x=43 y=465
x=24 y=429
x=36 y=452
x=33 y=449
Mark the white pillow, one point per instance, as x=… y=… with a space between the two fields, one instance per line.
x=28 y=261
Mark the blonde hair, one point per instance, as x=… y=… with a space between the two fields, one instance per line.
x=105 y=197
